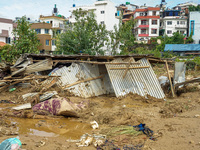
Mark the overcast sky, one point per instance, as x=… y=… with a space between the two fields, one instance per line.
x=33 y=8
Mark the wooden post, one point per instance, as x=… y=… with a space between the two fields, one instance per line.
x=140 y=67
x=82 y=81
x=127 y=69
x=172 y=88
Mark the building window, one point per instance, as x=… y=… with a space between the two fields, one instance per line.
x=169 y=22
x=8 y=40
x=169 y=31
x=102 y=12
x=53 y=42
x=47 y=42
x=154 y=22
x=182 y=22
x=144 y=22
x=141 y=14
x=58 y=31
x=182 y=32
x=177 y=22
x=38 y=31
x=154 y=13
x=153 y=31
x=102 y=22
x=143 y=31
x=192 y=27
x=46 y=31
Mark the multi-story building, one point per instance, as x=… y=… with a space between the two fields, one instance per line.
x=184 y=8
x=147 y=23
x=6 y=29
x=171 y=22
x=126 y=11
x=48 y=28
x=194 y=26
x=104 y=10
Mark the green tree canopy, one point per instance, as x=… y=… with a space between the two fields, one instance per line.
x=122 y=35
x=194 y=8
x=26 y=41
x=83 y=36
x=26 y=38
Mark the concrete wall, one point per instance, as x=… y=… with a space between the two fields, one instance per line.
x=195 y=16
x=175 y=26
x=108 y=17
x=9 y=28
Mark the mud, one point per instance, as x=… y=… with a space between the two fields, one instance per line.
x=175 y=122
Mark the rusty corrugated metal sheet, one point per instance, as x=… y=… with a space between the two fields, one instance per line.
x=141 y=81
x=78 y=72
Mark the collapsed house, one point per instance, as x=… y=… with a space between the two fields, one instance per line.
x=88 y=76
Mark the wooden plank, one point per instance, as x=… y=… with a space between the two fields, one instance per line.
x=187 y=82
x=159 y=60
x=40 y=66
x=129 y=68
x=82 y=81
x=91 y=62
x=172 y=88
x=25 y=79
x=18 y=71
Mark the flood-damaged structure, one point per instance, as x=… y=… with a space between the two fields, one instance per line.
x=88 y=76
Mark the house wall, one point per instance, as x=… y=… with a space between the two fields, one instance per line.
x=195 y=16
x=174 y=27
x=6 y=25
x=108 y=17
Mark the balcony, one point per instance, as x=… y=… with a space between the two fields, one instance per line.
x=143 y=35
x=143 y=26
x=126 y=19
x=4 y=33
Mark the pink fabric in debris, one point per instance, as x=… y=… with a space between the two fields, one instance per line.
x=56 y=106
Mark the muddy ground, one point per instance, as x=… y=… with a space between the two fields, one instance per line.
x=175 y=122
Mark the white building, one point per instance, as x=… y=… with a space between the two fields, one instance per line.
x=194 y=26
x=104 y=10
x=148 y=22
x=6 y=29
x=173 y=24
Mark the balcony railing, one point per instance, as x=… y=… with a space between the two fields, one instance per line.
x=143 y=35
x=143 y=26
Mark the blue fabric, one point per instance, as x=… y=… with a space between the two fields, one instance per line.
x=6 y=144
x=182 y=47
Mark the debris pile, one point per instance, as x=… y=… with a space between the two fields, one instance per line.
x=79 y=75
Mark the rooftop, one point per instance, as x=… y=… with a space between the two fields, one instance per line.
x=182 y=47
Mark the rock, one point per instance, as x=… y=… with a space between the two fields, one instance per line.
x=191 y=142
x=197 y=116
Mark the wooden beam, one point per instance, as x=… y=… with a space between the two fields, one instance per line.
x=91 y=62
x=129 y=68
x=25 y=79
x=82 y=81
x=187 y=82
x=159 y=60
x=172 y=88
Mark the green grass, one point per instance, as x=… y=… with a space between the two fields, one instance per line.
x=127 y=130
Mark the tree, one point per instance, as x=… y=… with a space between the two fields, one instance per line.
x=194 y=8
x=26 y=39
x=177 y=38
x=6 y=53
x=123 y=36
x=83 y=36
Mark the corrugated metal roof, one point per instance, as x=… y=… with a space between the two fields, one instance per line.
x=182 y=47
x=78 y=72
x=141 y=81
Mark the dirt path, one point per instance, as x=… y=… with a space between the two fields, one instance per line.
x=175 y=122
